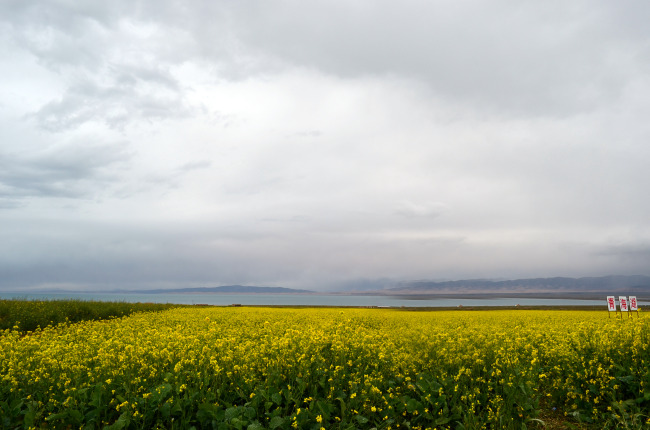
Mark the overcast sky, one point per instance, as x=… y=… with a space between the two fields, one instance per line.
x=311 y=144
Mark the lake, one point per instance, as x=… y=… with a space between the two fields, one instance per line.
x=306 y=300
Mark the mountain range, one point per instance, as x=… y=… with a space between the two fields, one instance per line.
x=604 y=284
x=638 y=284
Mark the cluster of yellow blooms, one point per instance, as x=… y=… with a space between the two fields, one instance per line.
x=327 y=368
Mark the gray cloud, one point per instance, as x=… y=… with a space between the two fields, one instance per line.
x=426 y=210
x=547 y=59
x=114 y=70
x=194 y=165
x=551 y=59
x=129 y=97
x=91 y=255
x=319 y=142
x=8 y=203
x=69 y=171
x=632 y=250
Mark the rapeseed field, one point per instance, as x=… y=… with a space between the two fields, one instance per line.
x=273 y=368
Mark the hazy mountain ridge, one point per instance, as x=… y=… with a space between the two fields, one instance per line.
x=610 y=284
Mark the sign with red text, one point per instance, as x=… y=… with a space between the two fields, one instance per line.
x=633 y=305
x=611 y=304
x=623 y=302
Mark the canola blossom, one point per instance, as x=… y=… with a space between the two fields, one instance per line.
x=274 y=368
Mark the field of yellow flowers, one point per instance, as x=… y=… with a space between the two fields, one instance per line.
x=274 y=368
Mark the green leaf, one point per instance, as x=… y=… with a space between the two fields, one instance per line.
x=96 y=396
x=324 y=409
x=442 y=421
x=276 y=422
x=75 y=415
x=176 y=409
x=361 y=419
x=58 y=416
x=160 y=393
x=231 y=413
x=238 y=423
x=250 y=412
x=343 y=407
x=91 y=415
x=413 y=405
x=16 y=406
x=207 y=411
x=28 y=421
x=164 y=410
x=122 y=421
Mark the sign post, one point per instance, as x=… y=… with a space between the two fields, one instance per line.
x=611 y=305
x=633 y=306
x=623 y=301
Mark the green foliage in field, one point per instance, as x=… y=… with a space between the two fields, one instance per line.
x=28 y=315
x=244 y=368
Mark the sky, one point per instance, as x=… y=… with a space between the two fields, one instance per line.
x=321 y=144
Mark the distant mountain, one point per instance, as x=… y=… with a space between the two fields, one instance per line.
x=227 y=289
x=610 y=284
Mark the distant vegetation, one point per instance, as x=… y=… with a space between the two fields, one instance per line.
x=28 y=315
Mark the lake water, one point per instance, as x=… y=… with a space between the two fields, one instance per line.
x=305 y=300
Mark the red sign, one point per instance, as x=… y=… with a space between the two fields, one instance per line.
x=611 y=304
x=623 y=301
x=633 y=305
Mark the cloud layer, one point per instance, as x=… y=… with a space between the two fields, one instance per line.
x=317 y=143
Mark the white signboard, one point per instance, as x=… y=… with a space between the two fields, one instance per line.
x=611 y=304
x=623 y=301
x=633 y=305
